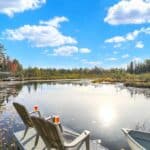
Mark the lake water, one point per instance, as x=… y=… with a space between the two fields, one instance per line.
x=102 y=109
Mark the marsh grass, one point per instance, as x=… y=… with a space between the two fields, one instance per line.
x=133 y=80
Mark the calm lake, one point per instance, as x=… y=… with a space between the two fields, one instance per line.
x=102 y=109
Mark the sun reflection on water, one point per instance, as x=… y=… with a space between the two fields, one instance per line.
x=107 y=115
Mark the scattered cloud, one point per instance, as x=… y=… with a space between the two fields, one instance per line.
x=137 y=59
x=55 y=22
x=91 y=63
x=131 y=36
x=69 y=50
x=10 y=7
x=45 y=34
x=65 y=51
x=46 y=52
x=125 y=56
x=116 y=39
x=111 y=59
x=84 y=50
x=139 y=44
x=129 y=12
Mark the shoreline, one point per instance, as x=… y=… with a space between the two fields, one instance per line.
x=29 y=81
x=138 y=84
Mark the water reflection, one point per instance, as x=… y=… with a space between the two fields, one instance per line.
x=7 y=114
x=136 y=91
x=102 y=109
x=8 y=91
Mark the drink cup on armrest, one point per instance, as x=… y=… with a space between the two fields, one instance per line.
x=56 y=119
x=36 y=108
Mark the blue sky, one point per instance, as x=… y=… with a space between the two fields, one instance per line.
x=69 y=34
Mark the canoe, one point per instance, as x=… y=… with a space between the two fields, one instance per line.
x=137 y=140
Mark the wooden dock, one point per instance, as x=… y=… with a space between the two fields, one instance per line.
x=28 y=142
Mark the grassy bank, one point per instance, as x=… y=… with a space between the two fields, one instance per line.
x=133 y=80
x=110 y=76
x=138 y=84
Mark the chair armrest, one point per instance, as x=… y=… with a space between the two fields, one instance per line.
x=49 y=118
x=32 y=112
x=38 y=112
x=81 y=138
x=67 y=131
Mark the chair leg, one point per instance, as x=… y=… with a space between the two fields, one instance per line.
x=25 y=132
x=87 y=143
x=36 y=140
x=80 y=145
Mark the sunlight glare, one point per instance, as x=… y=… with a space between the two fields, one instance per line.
x=107 y=115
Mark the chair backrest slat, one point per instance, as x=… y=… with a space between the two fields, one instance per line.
x=50 y=132
x=24 y=114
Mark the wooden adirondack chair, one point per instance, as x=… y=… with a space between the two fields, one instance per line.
x=52 y=135
x=25 y=116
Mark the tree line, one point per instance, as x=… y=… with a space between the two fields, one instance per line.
x=14 y=67
x=8 y=65
x=139 y=67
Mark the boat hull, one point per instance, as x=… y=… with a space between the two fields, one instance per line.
x=133 y=144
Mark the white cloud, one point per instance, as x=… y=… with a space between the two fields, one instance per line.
x=129 y=12
x=116 y=39
x=139 y=44
x=66 y=51
x=45 y=34
x=84 y=50
x=55 y=22
x=125 y=56
x=10 y=7
x=69 y=50
x=91 y=63
x=131 y=36
x=137 y=59
x=111 y=59
x=46 y=52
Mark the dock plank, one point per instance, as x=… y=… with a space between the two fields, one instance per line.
x=28 y=142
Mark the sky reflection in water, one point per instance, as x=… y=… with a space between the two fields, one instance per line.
x=103 y=109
